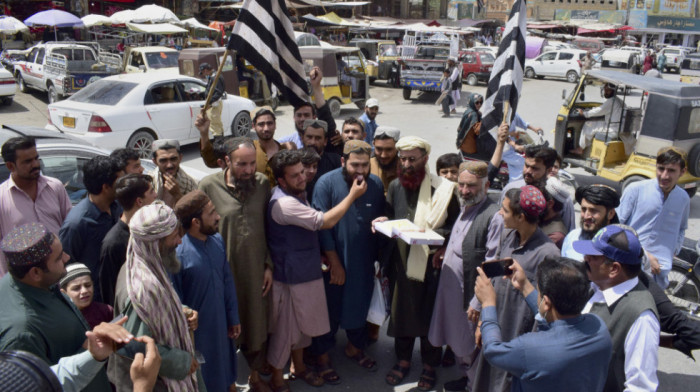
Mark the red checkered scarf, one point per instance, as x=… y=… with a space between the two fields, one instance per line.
x=149 y=288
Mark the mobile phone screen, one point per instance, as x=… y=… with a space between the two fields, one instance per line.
x=496 y=268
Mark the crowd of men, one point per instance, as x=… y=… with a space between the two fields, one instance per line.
x=164 y=278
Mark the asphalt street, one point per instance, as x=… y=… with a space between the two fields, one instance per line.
x=539 y=105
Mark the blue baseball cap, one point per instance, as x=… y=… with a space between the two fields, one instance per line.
x=616 y=242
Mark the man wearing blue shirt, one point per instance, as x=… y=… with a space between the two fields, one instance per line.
x=371 y=110
x=570 y=351
x=658 y=210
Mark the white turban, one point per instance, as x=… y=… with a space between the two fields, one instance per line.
x=411 y=143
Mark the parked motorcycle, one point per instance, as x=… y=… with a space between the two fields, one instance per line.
x=684 y=279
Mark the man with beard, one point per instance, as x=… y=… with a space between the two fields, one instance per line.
x=204 y=260
x=240 y=196
x=611 y=109
x=428 y=201
x=36 y=317
x=528 y=245
x=298 y=298
x=539 y=160
x=307 y=111
x=146 y=296
x=384 y=164
x=27 y=191
x=368 y=118
x=350 y=277
x=598 y=203
x=169 y=180
x=315 y=137
x=473 y=240
x=265 y=124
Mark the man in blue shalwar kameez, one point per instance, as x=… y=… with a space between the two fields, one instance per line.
x=205 y=284
x=351 y=249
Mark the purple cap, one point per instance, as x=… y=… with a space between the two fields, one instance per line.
x=616 y=242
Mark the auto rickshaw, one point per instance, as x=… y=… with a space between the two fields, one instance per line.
x=382 y=54
x=253 y=85
x=345 y=78
x=656 y=113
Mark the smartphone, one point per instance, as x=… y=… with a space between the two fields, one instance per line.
x=130 y=349
x=495 y=268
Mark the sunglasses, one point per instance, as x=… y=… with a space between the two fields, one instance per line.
x=479 y=103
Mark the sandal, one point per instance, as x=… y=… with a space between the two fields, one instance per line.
x=259 y=386
x=282 y=388
x=397 y=374
x=329 y=375
x=364 y=361
x=309 y=376
x=427 y=380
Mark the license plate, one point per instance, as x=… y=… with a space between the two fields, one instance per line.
x=69 y=122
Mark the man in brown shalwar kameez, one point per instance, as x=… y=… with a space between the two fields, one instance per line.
x=240 y=195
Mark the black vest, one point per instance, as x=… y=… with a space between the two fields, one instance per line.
x=474 y=246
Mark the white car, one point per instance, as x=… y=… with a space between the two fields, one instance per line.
x=559 y=63
x=133 y=110
x=674 y=58
x=7 y=86
x=486 y=49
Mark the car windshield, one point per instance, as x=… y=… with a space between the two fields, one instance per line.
x=158 y=60
x=432 y=52
x=388 y=50
x=487 y=58
x=103 y=92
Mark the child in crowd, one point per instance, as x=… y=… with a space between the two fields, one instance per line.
x=448 y=166
x=77 y=285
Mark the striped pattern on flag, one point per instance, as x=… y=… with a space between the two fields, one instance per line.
x=506 y=78
x=263 y=35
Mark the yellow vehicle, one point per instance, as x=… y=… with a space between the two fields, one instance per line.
x=382 y=56
x=656 y=113
x=345 y=78
x=690 y=69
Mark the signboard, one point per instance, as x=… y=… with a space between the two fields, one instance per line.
x=672 y=23
x=584 y=15
x=683 y=8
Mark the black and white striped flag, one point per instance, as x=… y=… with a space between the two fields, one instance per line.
x=263 y=35
x=507 y=74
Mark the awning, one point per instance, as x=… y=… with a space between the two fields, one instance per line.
x=193 y=23
x=543 y=26
x=160 y=28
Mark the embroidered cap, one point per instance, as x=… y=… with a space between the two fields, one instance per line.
x=27 y=245
x=532 y=201
x=477 y=168
x=356 y=146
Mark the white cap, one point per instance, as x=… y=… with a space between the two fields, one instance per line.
x=372 y=102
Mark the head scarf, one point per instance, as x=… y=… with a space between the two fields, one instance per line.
x=149 y=288
x=412 y=142
x=470 y=117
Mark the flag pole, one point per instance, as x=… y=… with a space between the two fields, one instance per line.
x=216 y=79
x=506 y=107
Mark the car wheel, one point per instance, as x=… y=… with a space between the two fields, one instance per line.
x=529 y=73
x=53 y=94
x=334 y=106
x=142 y=142
x=472 y=80
x=407 y=93
x=694 y=160
x=241 y=124
x=7 y=101
x=571 y=77
x=629 y=180
x=22 y=85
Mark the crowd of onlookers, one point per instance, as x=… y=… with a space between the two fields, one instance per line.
x=158 y=281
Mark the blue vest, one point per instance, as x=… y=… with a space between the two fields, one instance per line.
x=295 y=251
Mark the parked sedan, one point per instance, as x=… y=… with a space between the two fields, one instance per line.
x=7 y=87
x=133 y=110
x=559 y=63
x=63 y=156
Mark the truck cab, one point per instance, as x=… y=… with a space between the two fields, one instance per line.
x=151 y=59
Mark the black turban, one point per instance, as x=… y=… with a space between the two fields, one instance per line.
x=598 y=194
